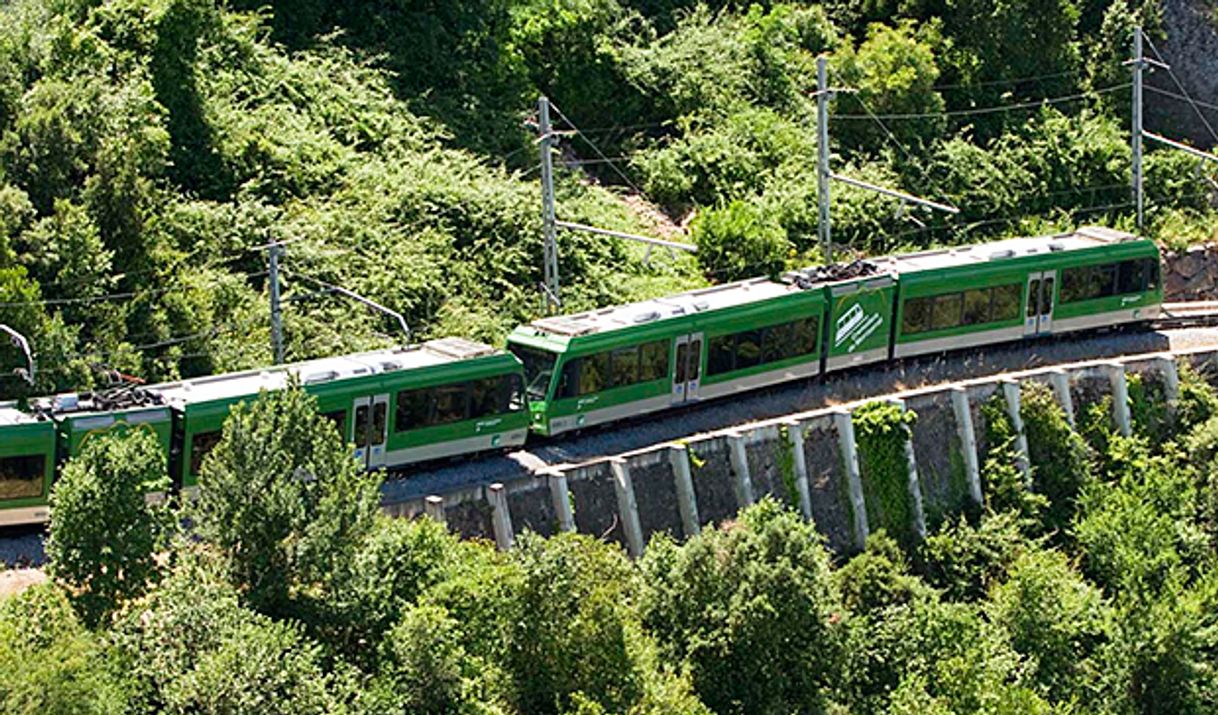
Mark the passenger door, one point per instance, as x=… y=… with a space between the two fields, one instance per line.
x=687 y=372
x=370 y=429
x=1041 y=293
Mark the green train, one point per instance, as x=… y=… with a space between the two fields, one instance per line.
x=561 y=374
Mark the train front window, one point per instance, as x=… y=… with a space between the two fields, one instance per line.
x=538 y=369
x=22 y=476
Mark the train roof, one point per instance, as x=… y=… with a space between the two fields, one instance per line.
x=1083 y=238
x=10 y=416
x=758 y=289
x=311 y=372
x=673 y=306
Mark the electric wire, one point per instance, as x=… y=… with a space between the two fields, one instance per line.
x=1180 y=86
x=597 y=149
x=990 y=110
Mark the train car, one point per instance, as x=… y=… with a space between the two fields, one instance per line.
x=1022 y=288
x=599 y=366
x=439 y=399
x=27 y=466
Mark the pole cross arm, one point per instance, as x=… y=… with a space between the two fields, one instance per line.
x=19 y=341
x=628 y=236
x=895 y=194
x=1182 y=147
x=366 y=301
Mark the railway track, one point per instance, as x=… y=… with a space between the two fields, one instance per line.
x=1194 y=314
x=1187 y=326
x=1180 y=325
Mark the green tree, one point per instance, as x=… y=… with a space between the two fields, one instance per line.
x=1055 y=619
x=282 y=500
x=104 y=534
x=425 y=669
x=749 y=608
x=393 y=565
x=50 y=664
x=878 y=578
x=894 y=71
x=1059 y=456
x=190 y=647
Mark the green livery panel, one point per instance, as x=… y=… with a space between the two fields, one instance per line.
x=860 y=321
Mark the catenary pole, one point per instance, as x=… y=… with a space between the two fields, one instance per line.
x=551 y=286
x=1138 y=66
x=276 y=312
x=822 y=174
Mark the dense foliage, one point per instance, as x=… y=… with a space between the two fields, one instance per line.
x=148 y=148
x=1100 y=597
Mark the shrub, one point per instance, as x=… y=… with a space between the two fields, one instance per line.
x=737 y=241
x=1055 y=619
x=49 y=663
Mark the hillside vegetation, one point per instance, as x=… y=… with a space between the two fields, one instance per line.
x=148 y=148
x=1089 y=585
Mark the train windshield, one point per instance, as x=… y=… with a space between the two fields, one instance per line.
x=538 y=369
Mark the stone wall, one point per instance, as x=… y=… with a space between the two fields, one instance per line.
x=1191 y=274
x=808 y=460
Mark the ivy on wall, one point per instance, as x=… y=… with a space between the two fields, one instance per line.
x=881 y=430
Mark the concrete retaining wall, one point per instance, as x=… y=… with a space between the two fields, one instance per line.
x=678 y=488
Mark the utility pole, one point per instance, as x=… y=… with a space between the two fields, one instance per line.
x=822 y=174
x=1139 y=64
x=549 y=229
x=274 y=249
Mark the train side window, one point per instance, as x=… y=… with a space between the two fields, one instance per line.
x=807 y=334
x=722 y=354
x=916 y=318
x=653 y=360
x=1033 y=298
x=485 y=396
x=594 y=375
x=380 y=414
x=778 y=342
x=568 y=382
x=748 y=349
x=361 y=426
x=1074 y=282
x=339 y=418
x=448 y=404
x=413 y=409
x=511 y=393
x=946 y=313
x=1089 y=282
x=1006 y=302
x=625 y=365
x=976 y=306
x=1107 y=283
x=1046 y=297
x=200 y=445
x=1131 y=276
x=1152 y=273
x=22 y=476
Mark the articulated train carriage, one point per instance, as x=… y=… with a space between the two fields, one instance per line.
x=603 y=365
x=452 y=396
x=442 y=398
